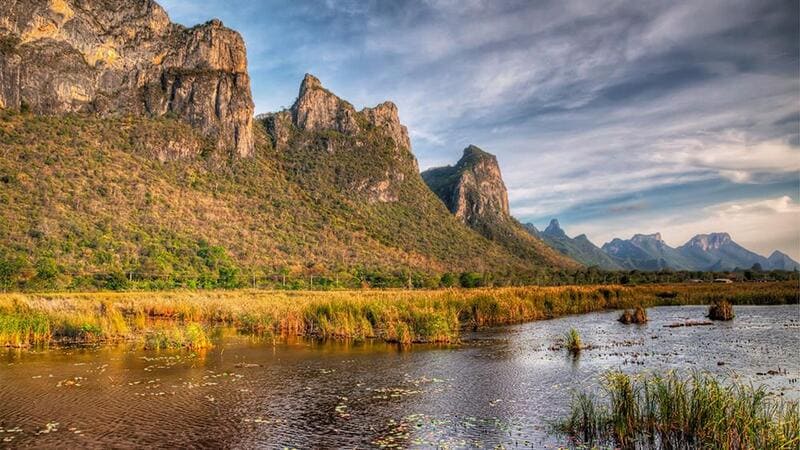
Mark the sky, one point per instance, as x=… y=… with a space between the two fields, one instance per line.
x=616 y=117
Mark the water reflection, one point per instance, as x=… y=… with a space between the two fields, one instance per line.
x=502 y=387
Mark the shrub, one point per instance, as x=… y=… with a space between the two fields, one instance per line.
x=720 y=310
x=637 y=316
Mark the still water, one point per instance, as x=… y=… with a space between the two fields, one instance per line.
x=501 y=387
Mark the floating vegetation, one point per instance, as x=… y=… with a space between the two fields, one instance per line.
x=637 y=316
x=720 y=310
x=690 y=323
x=181 y=319
x=675 y=412
x=572 y=341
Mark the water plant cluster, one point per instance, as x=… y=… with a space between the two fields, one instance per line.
x=183 y=318
x=637 y=316
x=720 y=310
x=681 y=412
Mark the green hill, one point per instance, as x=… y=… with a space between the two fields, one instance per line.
x=106 y=202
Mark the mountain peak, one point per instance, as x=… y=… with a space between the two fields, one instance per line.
x=318 y=109
x=782 y=261
x=473 y=152
x=710 y=241
x=647 y=237
x=473 y=189
x=554 y=229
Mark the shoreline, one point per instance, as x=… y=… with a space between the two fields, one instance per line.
x=178 y=319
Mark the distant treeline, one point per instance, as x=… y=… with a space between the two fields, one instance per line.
x=213 y=269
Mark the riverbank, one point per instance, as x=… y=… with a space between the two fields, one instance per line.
x=184 y=318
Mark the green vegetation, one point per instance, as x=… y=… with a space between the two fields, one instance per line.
x=572 y=341
x=675 y=412
x=638 y=315
x=402 y=316
x=96 y=204
x=720 y=310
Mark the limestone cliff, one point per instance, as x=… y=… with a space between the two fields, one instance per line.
x=474 y=191
x=374 y=132
x=125 y=57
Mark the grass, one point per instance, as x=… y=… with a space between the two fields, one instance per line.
x=572 y=341
x=681 y=412
x=721 y=310
x=401 y=316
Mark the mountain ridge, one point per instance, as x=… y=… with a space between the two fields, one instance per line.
x=716 y=251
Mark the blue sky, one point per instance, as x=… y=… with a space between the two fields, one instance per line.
x=617 y=117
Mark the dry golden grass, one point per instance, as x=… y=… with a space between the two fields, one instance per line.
x=393 y=315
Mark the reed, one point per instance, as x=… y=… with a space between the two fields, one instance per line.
x=720 y=310
x=637 y=316
x=402 y=316
x=572 y=341
x=682 y=412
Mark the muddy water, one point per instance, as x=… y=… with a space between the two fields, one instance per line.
x=502 y=387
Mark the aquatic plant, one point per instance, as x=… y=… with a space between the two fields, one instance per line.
x=675 y=412
x=191 y=336
x=720 y=310
x=638 y=316
x=572 y=341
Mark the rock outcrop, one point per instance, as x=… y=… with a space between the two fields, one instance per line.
x=118 y=57
x=318 y=111
x=473 y=189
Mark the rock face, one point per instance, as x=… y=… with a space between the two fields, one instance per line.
x=317 y=111
x=117 y=57
x=473 y=189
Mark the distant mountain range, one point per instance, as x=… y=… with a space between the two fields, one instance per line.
x=712 y=252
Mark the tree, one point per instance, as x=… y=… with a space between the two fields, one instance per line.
x=10 y=268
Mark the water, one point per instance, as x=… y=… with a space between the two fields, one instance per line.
x=502 y=387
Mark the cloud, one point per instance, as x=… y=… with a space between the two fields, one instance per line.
x=592 y=107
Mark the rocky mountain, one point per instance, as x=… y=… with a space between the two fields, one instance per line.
x=580 y=248
x=101 y=199
x=474 y=192
x=644 y=252
x=782 y=261
x=719 y=251
x=125 y=57
x=704 y=252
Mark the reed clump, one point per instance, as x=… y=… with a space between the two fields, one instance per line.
x=721 y=310
x=403 y=316
x=572 y=341
x=681 y=412
x=637 y=316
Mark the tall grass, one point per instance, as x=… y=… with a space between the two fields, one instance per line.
x=392 y=316
x=572 y=341
x=720 y=310
x=682 y=412
x=637 y=316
